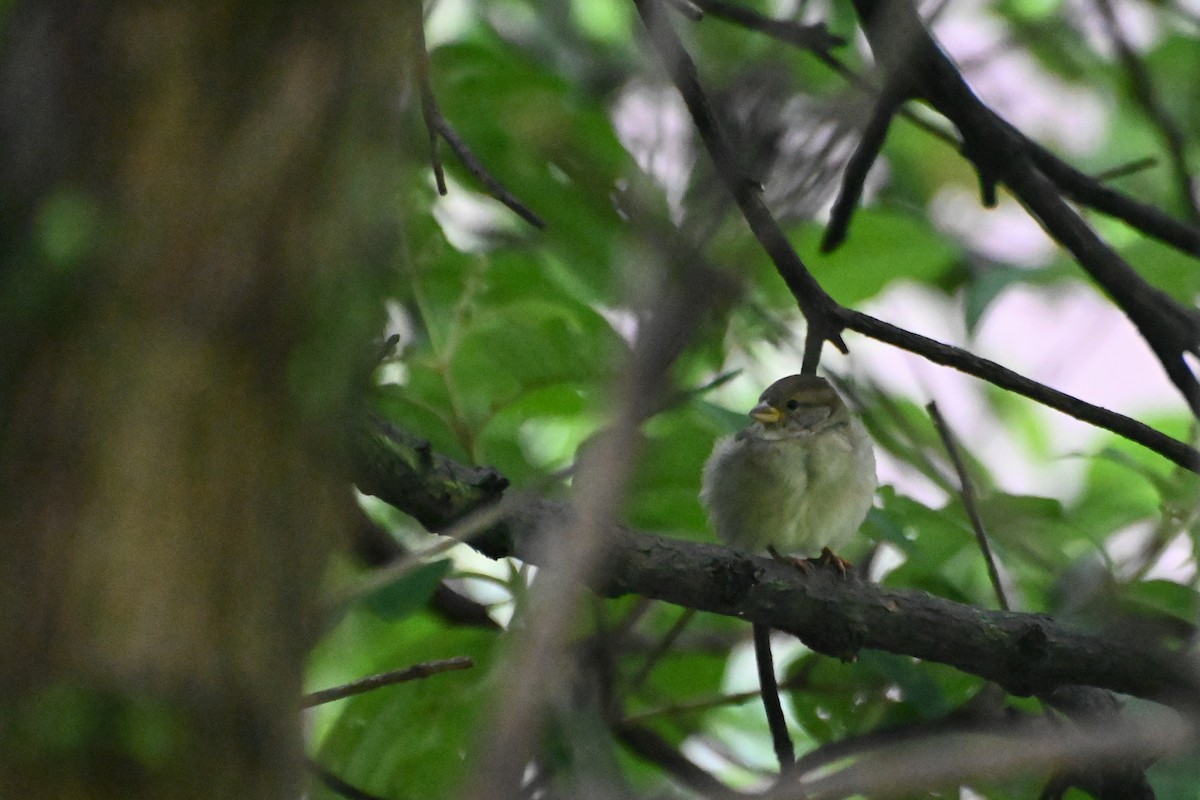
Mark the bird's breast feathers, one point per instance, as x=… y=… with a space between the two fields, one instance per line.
x=798 y=494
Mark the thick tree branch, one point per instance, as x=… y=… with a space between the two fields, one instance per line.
x=1092 y=192
x=1024 y=653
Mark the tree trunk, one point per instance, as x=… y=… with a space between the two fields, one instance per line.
x=190 y=192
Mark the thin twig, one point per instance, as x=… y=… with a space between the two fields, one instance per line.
x=437 y=125
x=809 y=37
x=1091 y=192
x=815 y=303
x=494 y=187
x=661 y=648
x=967 y=491
x=653 y=748
x=420 y=57
x=785 y=751
x=1146 y=97
x=1128 y=168
x=373 y=682
x=339 y=786
x=707 y=704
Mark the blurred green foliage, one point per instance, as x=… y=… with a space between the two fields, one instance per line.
x=512 y=338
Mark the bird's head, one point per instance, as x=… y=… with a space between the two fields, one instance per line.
x=798 y=405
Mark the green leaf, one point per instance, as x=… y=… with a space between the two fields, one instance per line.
x=540 y=431
x=397 y=405
x=917 y=687
x=1118 y=490
x=1165 y=268
x=1165 y=597
x=664 y=489
x=988 y=284
x=1036 y=528
x=882 y=246
x=526 y=345
x=407 y=594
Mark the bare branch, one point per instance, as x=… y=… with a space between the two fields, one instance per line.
x=437 y=125
x=906 y=51
x=816 y=304
x=963 y=361
x=373 y=682
x=1080 y=187
x=826 y=318
x=660 y=649
x=1146 y=96
x=967 y=491
x=816 y=38
x=785 y=751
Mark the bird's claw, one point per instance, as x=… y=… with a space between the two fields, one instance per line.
x=827 y=559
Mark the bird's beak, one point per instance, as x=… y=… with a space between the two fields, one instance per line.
x=766 y=413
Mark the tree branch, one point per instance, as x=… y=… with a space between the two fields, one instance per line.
x=373 y=682
x=1146 y=97
x=818 y=307
x=1024 y=653
x=826 y=319
x=964 y=361
x=1080 y=187
x=966 y=491
x=437 y=125
x=653 y=748
x=807 y=37
x=910 y=56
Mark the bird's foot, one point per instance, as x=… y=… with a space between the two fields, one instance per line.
x=828 y=558
x=802 y=564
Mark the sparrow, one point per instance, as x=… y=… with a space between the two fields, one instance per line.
x=799 y=479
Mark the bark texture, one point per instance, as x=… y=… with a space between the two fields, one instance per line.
x=190 y=193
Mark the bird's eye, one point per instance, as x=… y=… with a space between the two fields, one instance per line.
x=792 y=405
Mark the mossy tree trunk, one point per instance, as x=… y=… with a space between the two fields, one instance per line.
x=193 y=195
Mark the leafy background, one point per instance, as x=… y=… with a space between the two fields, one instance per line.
x=511 y=339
